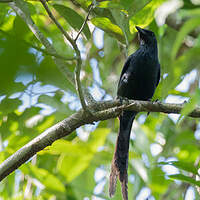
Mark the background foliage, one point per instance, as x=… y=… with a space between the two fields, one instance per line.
x=34 y=95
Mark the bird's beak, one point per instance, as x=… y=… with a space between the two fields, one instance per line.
x=140 y=30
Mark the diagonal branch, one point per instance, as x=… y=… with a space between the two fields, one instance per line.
x=78 y=55
x=57 y=23
x=20 y=8
x=104 y=110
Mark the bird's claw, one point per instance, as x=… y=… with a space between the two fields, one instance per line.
x=157 y=101
x=123 y=100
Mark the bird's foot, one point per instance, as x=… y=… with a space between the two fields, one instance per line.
x=156 y=101
x=123 y=100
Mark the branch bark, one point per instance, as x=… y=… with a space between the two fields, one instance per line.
x=103 y=110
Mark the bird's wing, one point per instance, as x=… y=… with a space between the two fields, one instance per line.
x=125 y=74
x=123 y=83
x=125 y=67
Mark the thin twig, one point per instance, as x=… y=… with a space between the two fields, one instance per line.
x=84 y=23
x=56 y=22
x=78 y=55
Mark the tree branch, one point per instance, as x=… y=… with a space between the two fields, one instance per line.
x=84 y=23
x=104 y=110
x=78 y=55
x=20 y=8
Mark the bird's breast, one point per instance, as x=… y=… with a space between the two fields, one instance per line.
x=143 y=81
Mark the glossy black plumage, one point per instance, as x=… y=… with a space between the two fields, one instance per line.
x=139 y=79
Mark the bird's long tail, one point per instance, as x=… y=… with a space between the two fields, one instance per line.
x=120 y=160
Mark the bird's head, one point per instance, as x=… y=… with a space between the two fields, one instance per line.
x=146 y=37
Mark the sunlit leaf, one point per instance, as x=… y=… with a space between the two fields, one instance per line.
x=109 y=4
x=47 y=122
x=184 y=178
x=145 y=16
x=106 y=25
x=73 y=18
x=50 y=181
x=76 y=157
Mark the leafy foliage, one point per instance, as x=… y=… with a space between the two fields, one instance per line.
x=34 y=95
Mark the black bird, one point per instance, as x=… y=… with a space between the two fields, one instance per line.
x=139 y=79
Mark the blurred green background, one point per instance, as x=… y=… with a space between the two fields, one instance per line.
x=34 y=95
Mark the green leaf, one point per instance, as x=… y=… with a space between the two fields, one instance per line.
x=73 y=18
x=145 y=16
x=181 y=66
x=140 y=168
x=184 y=178
x=133 y=6
x=20 y=28
x=189 y=167
x=60 y=45
x=76 y=157
x=48 y=73
x=109 y=4
x=189 y=25
x=46 y=123
x=87 y=177
x=191 y=105
x=50 y=181
x=122 y=21
x=130 y=6
x=157 y=182
x=3 y=13
x=9 y=105
x=190 y=13
x=23 y=62
x=106 y=25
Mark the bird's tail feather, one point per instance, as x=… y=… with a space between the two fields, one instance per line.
x=113 y=180
x=120 y=160
x=124 y=186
